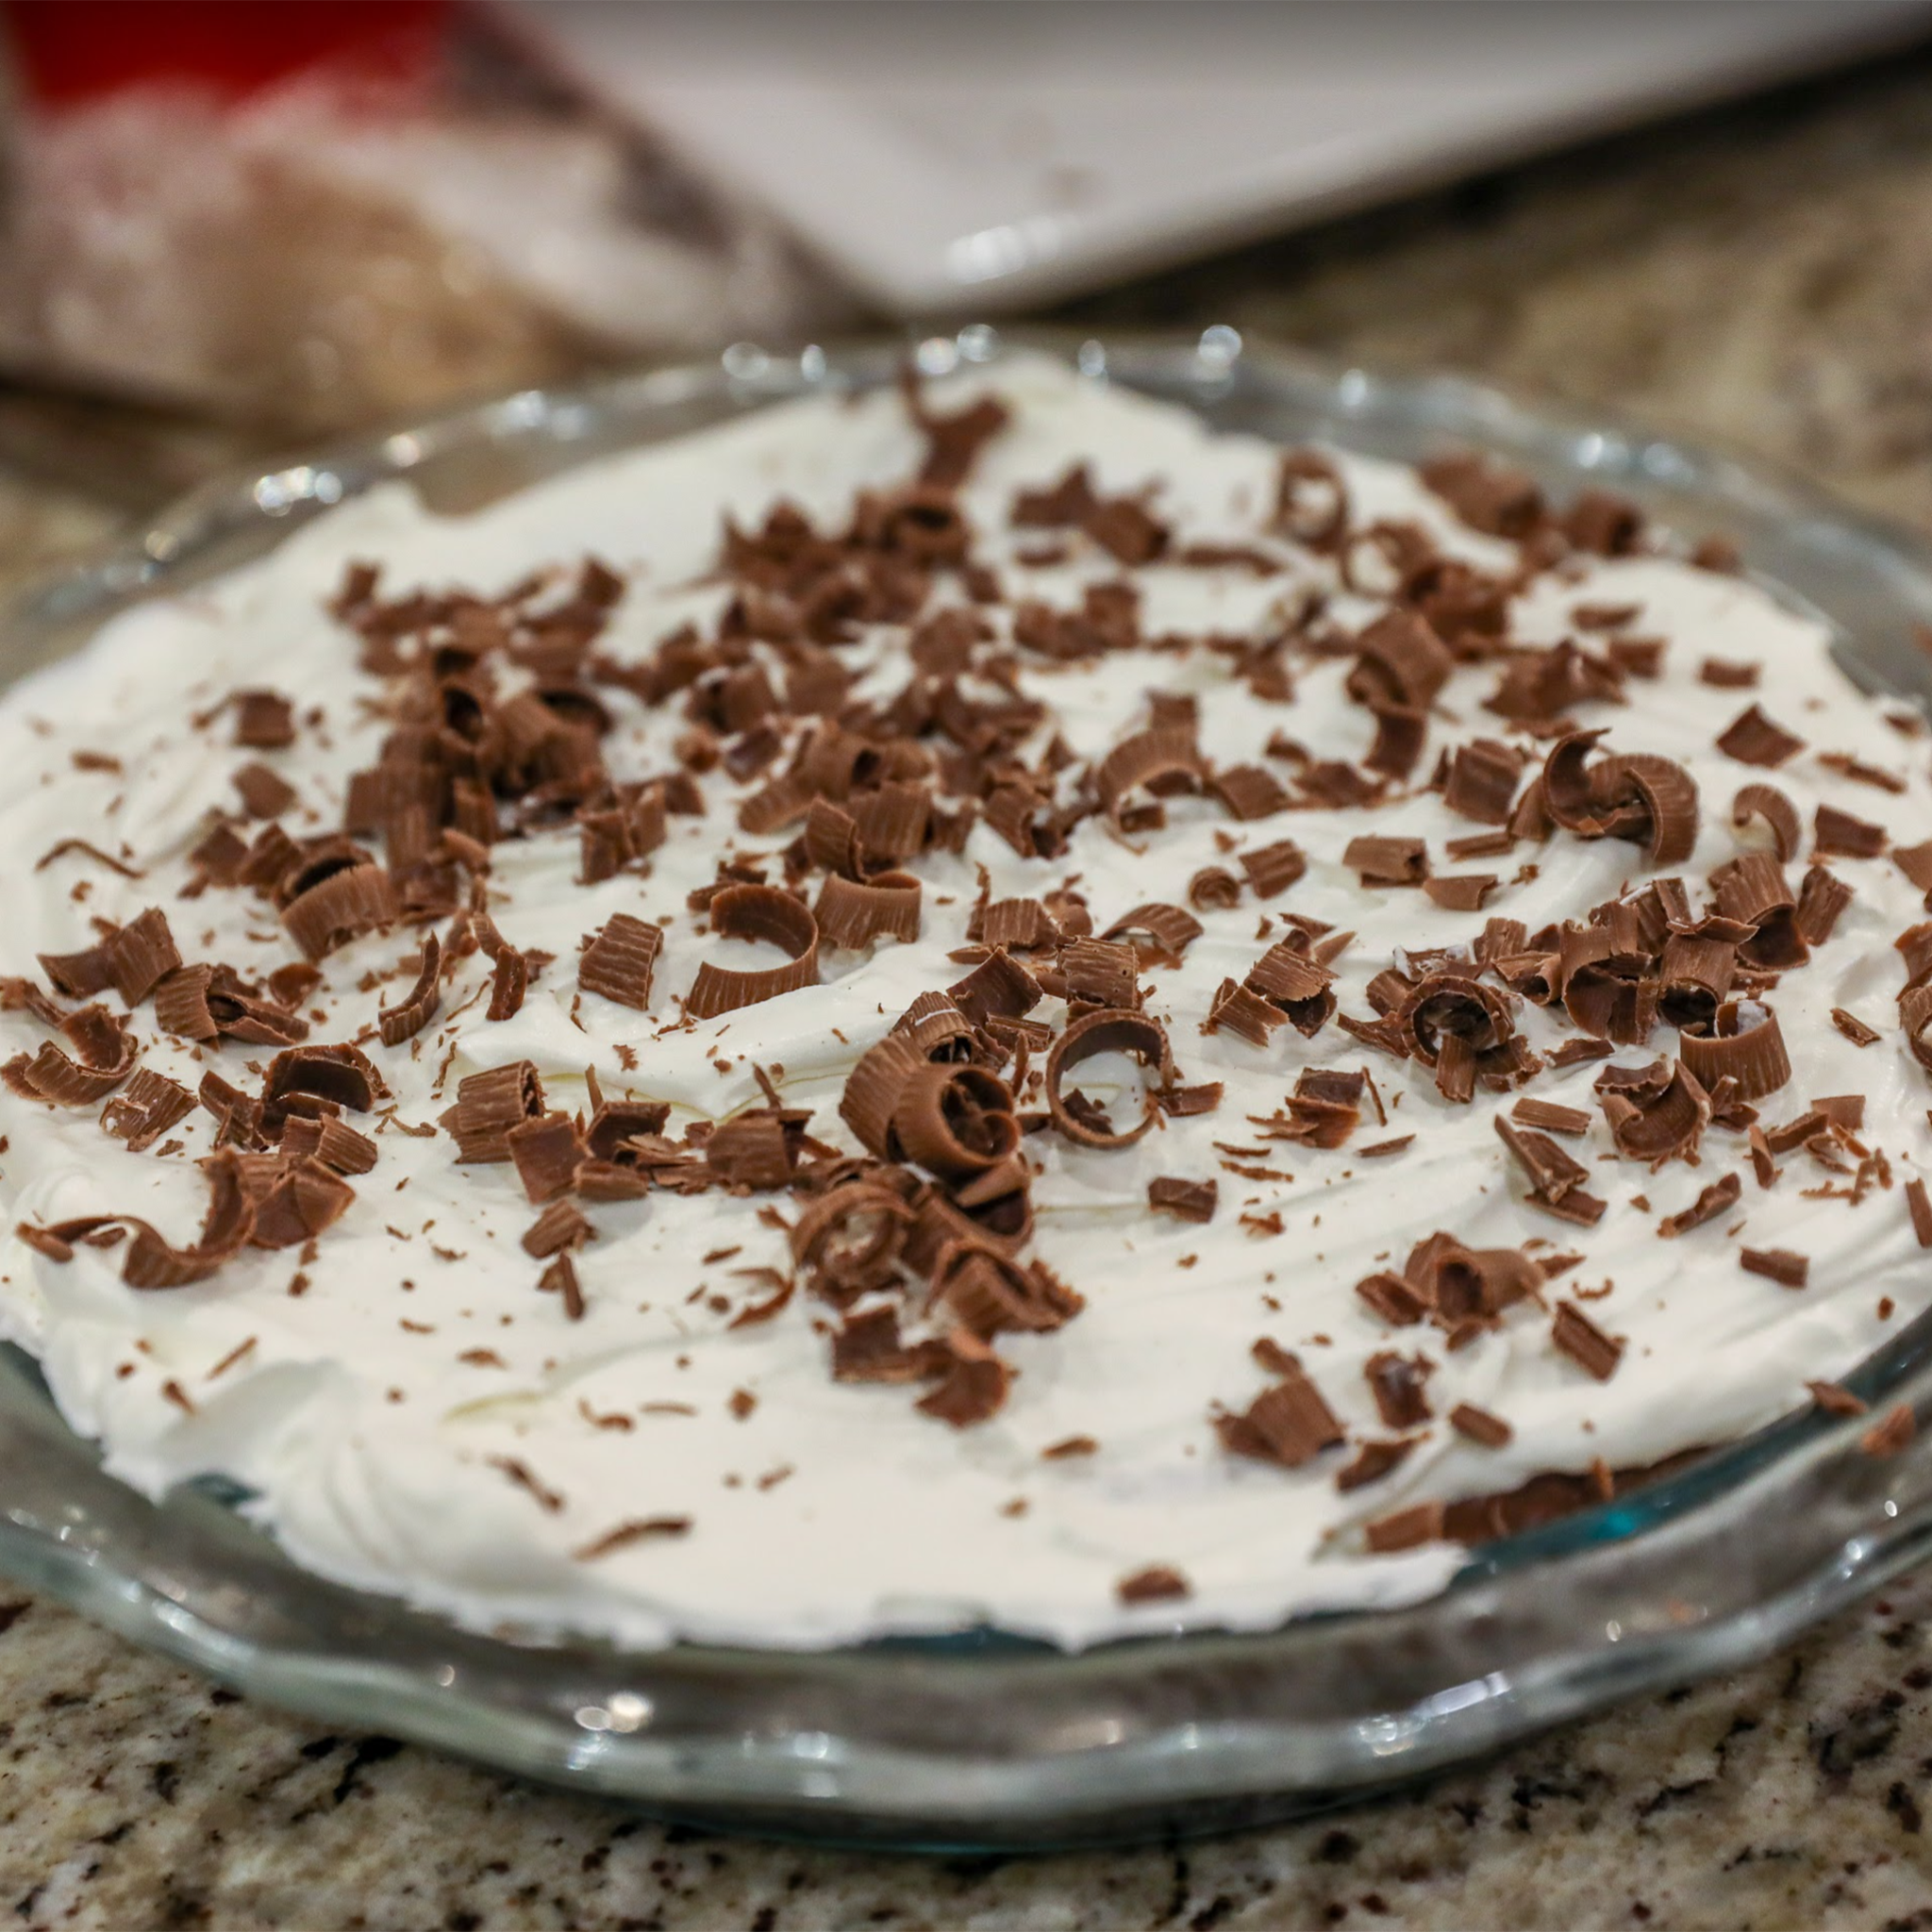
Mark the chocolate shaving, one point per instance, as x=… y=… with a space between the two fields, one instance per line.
x=1775 y=1264
x=1838 y=833
x=416 y=1009
x=1853 y=1028
x=1193 y=1200
x=1310 y=499
x=1159 y=1582
x=1404 y=1529
x=1015 y=925
x=763 y=913
x=1575 y=1335
x=265 y=793
x=1371 y=1463
x=1718 y=1198
x=559 y=1227
x=1288 y=1424
x=1892 y=1433
x=1550 y=1117
x=1105 y=1031
x=1920 y=1205
x=1398 y=1384
x=1753 y=738
x=973 y=1385
x=1729 y=673
x=1488 y=1431
x=954 y=1121
x=1465 y=892
x=149 y=1261
x=1834 y=1399
x=1915 y=861
x=145 y=1108
x=264 y=720
x=61 y=847
x=1555 y=1181
x=1172 y=929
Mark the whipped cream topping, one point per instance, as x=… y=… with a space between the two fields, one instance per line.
x=412 y=1414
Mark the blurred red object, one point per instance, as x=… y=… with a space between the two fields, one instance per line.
x=72 y=50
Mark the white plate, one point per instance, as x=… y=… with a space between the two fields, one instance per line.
x=993 y=154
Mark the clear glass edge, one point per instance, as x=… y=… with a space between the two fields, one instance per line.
x=985 y=1742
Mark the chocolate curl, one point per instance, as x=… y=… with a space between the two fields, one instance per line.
x=936 y=1029
x=151 y=1261
x=130 y=960
x=1481 y=783
x=1744 y=1042
x=302 y=1202
x=756 y=912
x=1753 y=738
x=341 y=1075
x=992 y=1293
x=1657 y=1118
x=831 y=840
x=1170 y=929
x=873 y=1088
x=1693 y=975
x=1447 y=1006
x=998 y=986
x=1294 y=986
x=1752 y=890
x=1400 y=663
x=489 y=1105
x=848 y=1241
x=1915 y=1017
x=1648 y=800
x=1287 y=1424
x=954 y=1121
x=1143 y=759
x=850 y=914
x=1310 y=500
x=973 y=1386
x=106 y=1053
x=618 y=964
x=418 y=1007
x=145 y=1108
x=1768 y=803
x=1106 y=1031
x=339 y=907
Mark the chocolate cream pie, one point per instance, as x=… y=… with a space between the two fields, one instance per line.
x=972 y=1005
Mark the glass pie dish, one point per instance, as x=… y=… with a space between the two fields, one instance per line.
x=987 y=1740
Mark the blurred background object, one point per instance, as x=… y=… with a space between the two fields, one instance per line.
x=997 y=153
x=229 y=226
x=306 y=213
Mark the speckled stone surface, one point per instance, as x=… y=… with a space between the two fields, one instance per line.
x=1762 y=277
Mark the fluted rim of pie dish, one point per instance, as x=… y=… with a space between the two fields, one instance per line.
x=984 y=1741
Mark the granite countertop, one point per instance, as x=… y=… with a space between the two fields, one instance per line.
x=1761 y=275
